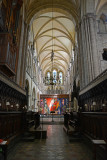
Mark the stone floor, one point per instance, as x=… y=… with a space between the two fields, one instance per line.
x=56 y=147
x=47 y=119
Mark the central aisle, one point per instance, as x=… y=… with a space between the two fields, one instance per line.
x=55 y=147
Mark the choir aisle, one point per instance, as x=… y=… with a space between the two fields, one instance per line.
x=56 y=147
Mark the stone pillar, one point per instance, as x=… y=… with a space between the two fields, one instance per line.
x=25 y=55
x=87 y=51
x=23 y=59
x=79 y=53
x=93 y=43
x=88 y=54
x=20 y=53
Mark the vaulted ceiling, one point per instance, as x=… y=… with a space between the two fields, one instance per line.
x=53 y=25
x=53 y=31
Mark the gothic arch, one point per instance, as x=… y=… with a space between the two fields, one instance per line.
x=100 y=4
x=69 y=8
x=64 y=37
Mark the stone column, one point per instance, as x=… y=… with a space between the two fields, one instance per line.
x=25 y=55
x=88 y=54
x=79 y=53
x=93 y=45
x=20 y=53
x=84 y=46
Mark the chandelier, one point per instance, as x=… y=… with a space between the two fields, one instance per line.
x=52 y=79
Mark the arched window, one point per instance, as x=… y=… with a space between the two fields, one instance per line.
x=60 y=77
x=54 y=76
x=48 y=77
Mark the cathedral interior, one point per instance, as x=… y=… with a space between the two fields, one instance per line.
x=53 y=79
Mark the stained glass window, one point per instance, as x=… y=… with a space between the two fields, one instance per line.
x=48 y=77
x=60 y=77
x=54 y=76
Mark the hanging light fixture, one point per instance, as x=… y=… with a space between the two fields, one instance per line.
x=52 y=53
x=52 y=80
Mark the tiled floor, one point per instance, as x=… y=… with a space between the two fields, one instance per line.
x=56 y=147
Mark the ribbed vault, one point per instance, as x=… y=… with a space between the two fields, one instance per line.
x=53 y=25
x=53 y=31
x=69 y=7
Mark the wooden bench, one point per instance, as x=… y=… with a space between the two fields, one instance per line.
x=38 y=132
x=4 y=146
x=30 y=123
x=95 y=143
x=8 y=144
